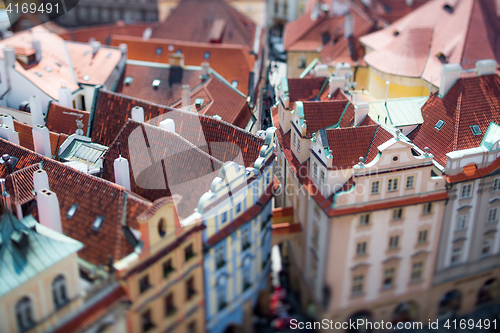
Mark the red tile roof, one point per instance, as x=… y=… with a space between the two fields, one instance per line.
x=104 y=33
x=471 y=172
x=113 y=111
x=471 y=101
x=202 y=16
x=59 y=121
x=75 y=187
x=26 y=137
x=233 y=62
x=321 y=114
x=305 y=89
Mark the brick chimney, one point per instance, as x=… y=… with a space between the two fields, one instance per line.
x=450 y=73
x=49 y=214
x=176 y=59
x=41 y=140
x=138 y=114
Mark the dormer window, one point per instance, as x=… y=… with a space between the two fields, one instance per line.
x=98 y=223
x=476 y=130
x=439 y=124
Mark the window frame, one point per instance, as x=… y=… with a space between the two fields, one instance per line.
x=397 y=214
x=358 y=285
x=59 y=292
x=377 y=182
x=465 y=218
x=392 y=184
x=364 y=219
x=423 y=236
x=466 y=194
x=456 y=253
x=427 y=208
x=417 y=271
x=496 y=184
x=389 y=274
x=393 y=242
x=315 y=170
x=412 y=177
x=495 y=219
x=361 y=248
x=322 y=177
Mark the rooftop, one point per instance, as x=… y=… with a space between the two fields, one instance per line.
x=399 y=111
x=104 y=33
x=323 y=114
x=61 y=119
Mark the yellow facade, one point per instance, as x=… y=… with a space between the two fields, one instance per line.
x=296 y=59
x=399 y=86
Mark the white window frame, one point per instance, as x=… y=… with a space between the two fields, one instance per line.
x=397 y=214
x=358 y=284
x=427 y=208
x=394 y=242
x=412 y=182
x=462 y=221
x=488 y=243
x=361 y=248
x=466 y=191
x=416 y=271
x=364 y=219
x=376 y=185
x=423 y=236
x=493 y=219
x=322 y=177
x=456 y=254
x=496 y=184
x=315 y=170
x=294 y=139
x=392 y=184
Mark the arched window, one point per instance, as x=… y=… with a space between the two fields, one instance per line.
x=59 y=292
x=24 y=314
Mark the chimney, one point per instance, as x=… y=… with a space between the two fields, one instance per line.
x=9 y=56
x=41 y=140
x=360 y=112
x=138 y=114
x=37 y=46
x=36 y=111
x=5 y=195
x=95 y=47
x=65 y=98
x=122 y=172
x=40 y=180
x=7 y=131
x=335 y=82
x=123 y=48
x=186 y=95
x=146 y=35
x=321 y=70
x=48 y=210
x=450 y=73
x=176 y=59
x=348 y=25
x=168 y=125
x=204 y=70
x=485 y=67
x=409 y=3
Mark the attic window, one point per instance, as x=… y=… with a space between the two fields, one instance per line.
x=158 y=50
x=448 y=8
x=234 y=84
x=198 y=102
x=86 y=78
x=442 y=57
x=476 y=130
x=206 y=56
x=439 y=124
x=71 y=211
x=156 y=83
x=97 y=223
x=395 y=33
x=128 y=80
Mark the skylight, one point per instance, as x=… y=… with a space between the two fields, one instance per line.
x=234 y=84
x=86 y=78
x=71 y=211
x=38 y=73
x=198 y=101
x=97 y=223
x=439 y=124
x=48 y=69
x=156 y=83
x=476 y=130
x=206 y=56
x=86 y=52
x=128 y=80
x=108 y=55
x=159 y=50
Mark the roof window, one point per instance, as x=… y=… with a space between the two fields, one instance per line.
x=71 y=211
x=476 y=130
x=439 y=124
x=128 y=80
x=48 y=69
x=206 y=56
x=159 y=51
x=234 y=84
x=156 y=83
x=86 y=78
x=98 y=223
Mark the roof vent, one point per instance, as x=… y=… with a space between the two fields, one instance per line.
x=206 y=56
x=156 y=83
x=38 y=74
x=476 y=130
x=128 y=80
x=439 y=124
x=86 y=78
x=98 y=223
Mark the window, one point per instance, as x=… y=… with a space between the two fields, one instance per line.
x=315 y=235
x=71 y=211
x=234 y=84
x=416 y=271
x=245 y=239
x=238 y=207
x=162 y=227
x=422 y=236
x=409 y=181
x=388 y=278
x=294 y=138
x=59 y=294
x=476 y=130
x=496 y=184
x=159 y=51
x=492 y=215
x=190 y=291
x=456 y=255
x=364 y=219
x=361 y=249
x=461 y=222
x=315 y=169
x=221 y=297
x=191 y=327
x=487 y=244
x=146 y=322
x=298 y=146
x=220 y=256
x=439 y=124
x=427 y=209
x=466 y=191
x=375 y=187
x=223 y=217
x=247 y=283
x=393 y=242
x=392 y=184
x=322 y=177
x=144 y=284
x=357 y=285
x=188 y=252
x=302 y=63
x=97 y=223
x=167 y=268
x=24 y=314
x=169 y=305
x=397 y=214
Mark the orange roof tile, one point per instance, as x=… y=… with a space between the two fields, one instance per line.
x=104 y=33
x=319 y=114
x=26 y=137
x=60 y=121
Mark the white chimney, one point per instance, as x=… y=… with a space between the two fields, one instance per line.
x=348 y=25
x=204 y=69
x=360 y=112
x=335 y=82
x=36 y=111
x=485 y=67
x=138 y=114
x=186 y=95
x=9 y=56
x=37 y=46
x=450 y=73
x=7 y=120
x=40 y=180
x=7 y=131
x=146 y=35
x=168 y=125
x=48 y=210
x=65 y=98
x=321 y=70
x=41 y=140
x=122 y=172
x=123 y=48
x=409 y=3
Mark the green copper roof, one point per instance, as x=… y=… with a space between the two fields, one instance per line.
x=27 y=249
